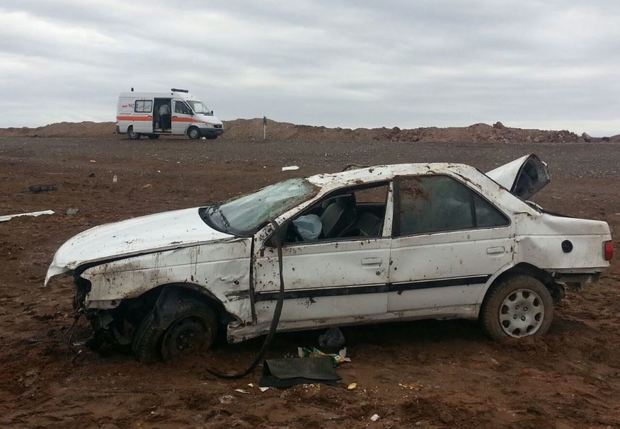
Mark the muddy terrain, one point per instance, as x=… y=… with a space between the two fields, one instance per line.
x=429 y=374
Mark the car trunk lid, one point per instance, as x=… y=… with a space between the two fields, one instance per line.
x=523 y=177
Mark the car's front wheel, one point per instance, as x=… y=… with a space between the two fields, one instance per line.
x=520 y=306
x=193 y=133
x=193 y=329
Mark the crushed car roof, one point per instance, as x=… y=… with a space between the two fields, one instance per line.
x=385 y=172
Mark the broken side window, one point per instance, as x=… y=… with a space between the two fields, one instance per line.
x=440 y=203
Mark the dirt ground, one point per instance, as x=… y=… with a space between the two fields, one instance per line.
x=428 y=374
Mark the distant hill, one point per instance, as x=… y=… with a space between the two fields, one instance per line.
x=252 y=129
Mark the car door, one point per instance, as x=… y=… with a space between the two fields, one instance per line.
x=328 y=279
x=448 y=241
x=181 y=117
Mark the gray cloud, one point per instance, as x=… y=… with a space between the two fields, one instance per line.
x=530 y=63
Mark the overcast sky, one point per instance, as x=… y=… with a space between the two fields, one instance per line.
x=528 y=63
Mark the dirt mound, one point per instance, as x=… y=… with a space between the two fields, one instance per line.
x=480 y=133
x=63 y=129
x=252 y=129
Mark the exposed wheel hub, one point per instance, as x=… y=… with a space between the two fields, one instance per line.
x=185 y=335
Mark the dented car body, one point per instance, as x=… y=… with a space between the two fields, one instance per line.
x=392 y=242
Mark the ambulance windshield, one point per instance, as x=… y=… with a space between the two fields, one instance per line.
x=199 y=107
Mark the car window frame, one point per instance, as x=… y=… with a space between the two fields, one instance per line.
x=142 y=100
x=396 y=202
x=332 y=194
x=185 y=104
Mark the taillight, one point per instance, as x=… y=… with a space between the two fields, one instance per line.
x=608 y=250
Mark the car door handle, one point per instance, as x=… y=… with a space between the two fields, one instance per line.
x=372 y=261
x=495 y=250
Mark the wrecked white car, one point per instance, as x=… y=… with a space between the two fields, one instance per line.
x=391 y=242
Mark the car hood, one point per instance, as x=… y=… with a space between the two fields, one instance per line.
x=146 y=234
x=523 y=177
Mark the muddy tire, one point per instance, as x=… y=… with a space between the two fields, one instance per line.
x=194 y=329
x=146 y=340
x=518 y=307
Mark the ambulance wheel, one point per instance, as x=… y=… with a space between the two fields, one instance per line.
x=132 y=134
x=153 y=136
x=193 y=133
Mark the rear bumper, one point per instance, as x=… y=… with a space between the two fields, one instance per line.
x=577 y=280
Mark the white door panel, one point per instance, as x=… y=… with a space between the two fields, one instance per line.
x=446 y=269
x=324 y=280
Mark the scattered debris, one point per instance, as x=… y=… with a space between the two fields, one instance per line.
x=91 y=175
x=352 y=386
x=115 y=179
x=290 y=168
x=148 y=185
x=42 y=188
x=245 y=392
x=226 y=399
x=93 y=161
x=374 y=417
x=72 y=211
x=283 y=373
x=337 y=358
x=410 y=386
x=33 y=214
x=263 y=389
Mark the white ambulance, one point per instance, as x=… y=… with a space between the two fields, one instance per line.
x=176 y=112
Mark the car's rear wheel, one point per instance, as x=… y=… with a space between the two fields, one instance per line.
x=193 y=133
x=132 y=134
x=193 y=329
x=520 y=306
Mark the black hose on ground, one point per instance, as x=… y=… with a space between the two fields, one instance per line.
x=274 y=321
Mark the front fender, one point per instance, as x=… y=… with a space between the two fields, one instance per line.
x=222 y=269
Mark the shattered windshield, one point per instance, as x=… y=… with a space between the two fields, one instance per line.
x=200 y=107
x=247 y=214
